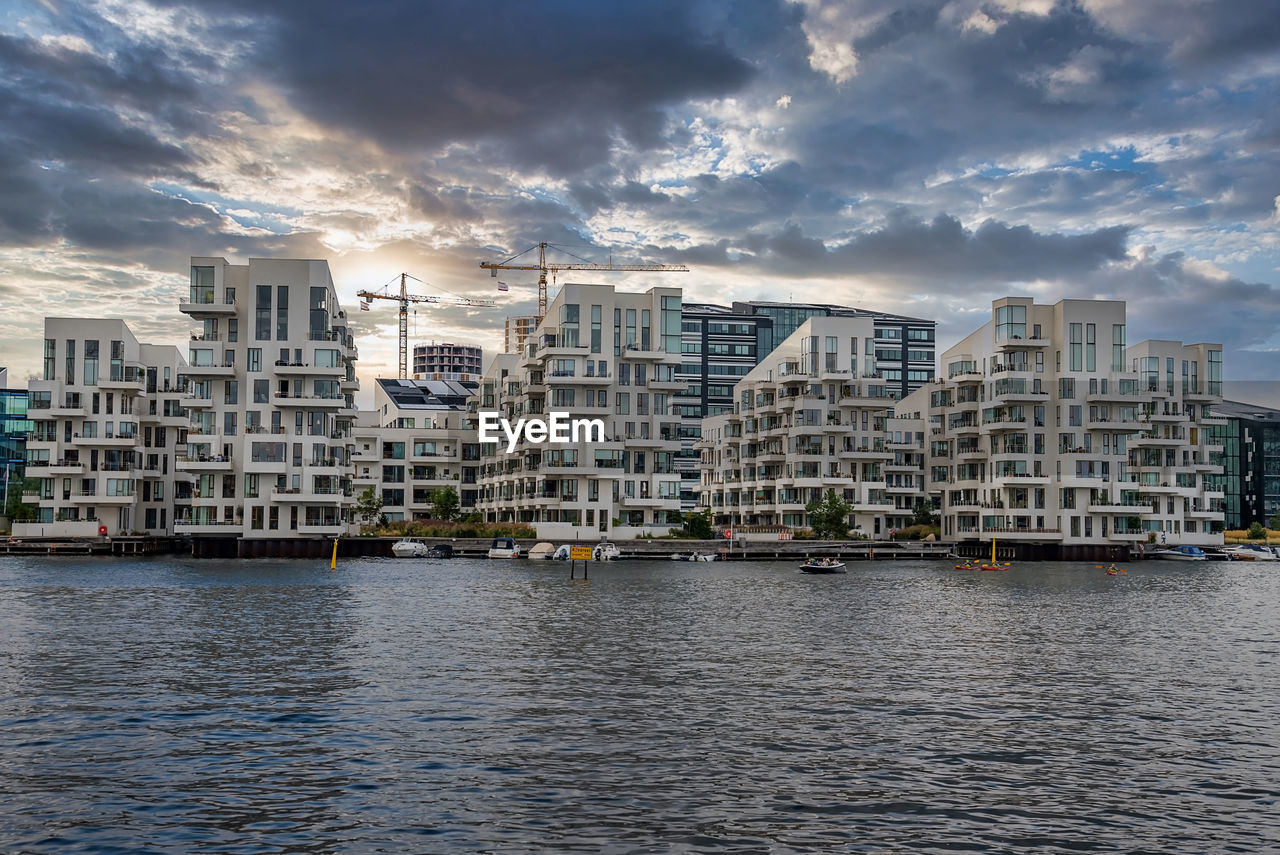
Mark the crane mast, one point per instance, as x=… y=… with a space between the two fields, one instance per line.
x=405 y=298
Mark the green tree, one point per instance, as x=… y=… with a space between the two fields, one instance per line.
x=1257 y=532
x=1274 y=522
x=698 y=524
x=445 y=504
x=369 y=505
x=923 y=514
x=829 y=516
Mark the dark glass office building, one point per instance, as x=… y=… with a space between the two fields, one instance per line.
x=904 y=348
x=1250 y=479
x=13 y=441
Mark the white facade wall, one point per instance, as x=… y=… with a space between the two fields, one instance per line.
x=107 y=425
x=271 y=380
x=405 y=454
x=1043 y=429
x=812 y=417
x=598 y=354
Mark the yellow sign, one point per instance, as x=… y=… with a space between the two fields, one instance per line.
x=579 y=553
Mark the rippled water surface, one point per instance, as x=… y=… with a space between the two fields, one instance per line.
x=473 y=706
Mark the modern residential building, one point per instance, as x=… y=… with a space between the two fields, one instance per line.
x=271 y=378
x=445 y=361
x=597 y=355
x=902 y=350
x=416 y=441
x=812 y=417
x=518 y=330
x=1048 y=428
x=1250 y=458
x=107 y=422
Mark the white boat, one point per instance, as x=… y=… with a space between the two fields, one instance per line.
x=1181 y=553
x=561 y=553
x=822 y=565
x=410 y=547
x=542 y=552
x=605 y=552
x=504 y=547
x=693 y=556
x=1250 y=552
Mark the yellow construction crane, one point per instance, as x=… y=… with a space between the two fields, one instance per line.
x=405 y=298
x=542 y=267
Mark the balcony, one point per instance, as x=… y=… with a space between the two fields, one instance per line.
x=204 y=463
x=226 y=528
x=205 y=306
x=67 y=410
x=303 y=369
x=334 y=402
x=307 y=496
x=213 y=370
x=106 y=441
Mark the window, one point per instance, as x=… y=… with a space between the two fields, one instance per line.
x=393 y=451
x=1117 y=347
x=262 y=314
x=90 y=362
x=255 y=359
x=202 y=285
x=1011 y=322
x=1090 y=347
x=595 y=329
x=282 y=313
x=1077 y=362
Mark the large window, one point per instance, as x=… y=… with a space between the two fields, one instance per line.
x=1011 y=322
x=1077 y=343
x=202 y=285
x=90 y=362
x=262 y=314
x=1117 y=347
x=282 y=313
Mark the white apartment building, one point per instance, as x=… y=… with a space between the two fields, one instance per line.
x=598 y=354
x=271 y=378
x=107 y=426
x=1047 y=427
x=812 y=417
x=415 y=441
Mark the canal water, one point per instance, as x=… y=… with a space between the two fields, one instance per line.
x=175 y=706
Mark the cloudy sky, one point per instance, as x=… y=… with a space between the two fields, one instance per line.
x=917 y=157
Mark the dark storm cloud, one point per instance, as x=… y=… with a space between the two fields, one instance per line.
x=941 y=250
x=553 y=82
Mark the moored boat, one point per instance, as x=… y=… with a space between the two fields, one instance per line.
x=410 y=547
x=1181 y=553
x=605 y=552
x=1250 y=552
x=693 y=556
x=542 y=552
x=504 y=547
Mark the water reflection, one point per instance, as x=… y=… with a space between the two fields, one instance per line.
x=491 y=706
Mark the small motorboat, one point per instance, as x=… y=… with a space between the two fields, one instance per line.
x=1250 y=552
x=504 y=547
x=542 y=552
x=561 y=553
x=822 y=565
x=693 y=556
x=1181 y=553
x=411 y=547
x=606 y=552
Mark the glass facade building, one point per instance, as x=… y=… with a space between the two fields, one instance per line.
x=902 y=351
x=1250 y=457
